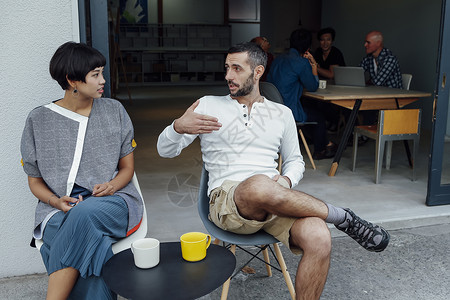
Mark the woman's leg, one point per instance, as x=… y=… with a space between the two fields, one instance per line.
x=81 y=240
x=61 y=283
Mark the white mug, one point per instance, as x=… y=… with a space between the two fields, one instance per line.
x=322 y=84
x=145 y=252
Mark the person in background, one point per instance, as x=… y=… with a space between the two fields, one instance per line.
x=265 y=45
x=327 y=57
x=291 y=73
x=382 y=66
x=78 y=154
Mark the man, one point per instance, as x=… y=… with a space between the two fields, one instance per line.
x=240 y=137
x=380 y=63
x=292 y=72
x=265 y=45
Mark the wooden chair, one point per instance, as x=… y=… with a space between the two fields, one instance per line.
x=393 y=125
x=260 y=239
x=269 y=91
x=125 y=243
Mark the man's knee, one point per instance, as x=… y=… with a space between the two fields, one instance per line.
x=312 y=235
x=257 y=188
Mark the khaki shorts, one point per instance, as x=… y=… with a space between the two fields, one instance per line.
x=223 y=212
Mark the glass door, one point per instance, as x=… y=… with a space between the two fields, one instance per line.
x=439 y=167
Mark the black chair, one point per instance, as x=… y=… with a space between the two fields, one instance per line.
x=269 y=91
x=233 y=240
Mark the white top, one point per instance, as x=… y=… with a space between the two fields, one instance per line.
x=246 y=145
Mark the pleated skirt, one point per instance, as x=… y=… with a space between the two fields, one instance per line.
x=82 y=239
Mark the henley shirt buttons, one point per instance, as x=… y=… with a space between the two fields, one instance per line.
x=245 y=115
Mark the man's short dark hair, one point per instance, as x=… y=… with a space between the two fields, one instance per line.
x=326 y=30
x=301 y=40
x=74 y=61
x=256 y=55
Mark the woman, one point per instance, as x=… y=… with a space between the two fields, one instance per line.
x=78 y=154
x=327 y=56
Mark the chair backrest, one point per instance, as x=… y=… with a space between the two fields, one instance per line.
x=124 y=243
x=140 y=233
x=270 y=91
x=399 y=121
x=406 y=81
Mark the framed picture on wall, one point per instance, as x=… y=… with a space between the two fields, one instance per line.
x=243 y=10
x=134 y=11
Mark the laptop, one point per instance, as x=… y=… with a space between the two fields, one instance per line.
x=351 y=76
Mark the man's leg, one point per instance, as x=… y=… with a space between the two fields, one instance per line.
x=313 y=237
x=259 y=195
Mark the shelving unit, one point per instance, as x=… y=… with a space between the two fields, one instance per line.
x=173 y=53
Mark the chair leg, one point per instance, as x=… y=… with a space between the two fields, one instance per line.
x=226 y=285
x=267 y=260
x=379 y=151
x=283 y=267
x=307 y=148
x=415 y=153
x=388 y=154
x=355 y=149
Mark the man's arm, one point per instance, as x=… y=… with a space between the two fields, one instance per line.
x=184 y=130
x=293 y=165
x=308 y=74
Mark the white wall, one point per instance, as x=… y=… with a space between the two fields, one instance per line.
x=30 y=32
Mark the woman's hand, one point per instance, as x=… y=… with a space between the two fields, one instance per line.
x=103 y=189
x=65 y=203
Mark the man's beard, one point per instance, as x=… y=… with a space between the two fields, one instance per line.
x=246 y=88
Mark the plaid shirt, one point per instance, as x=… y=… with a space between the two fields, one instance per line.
x=387 y=72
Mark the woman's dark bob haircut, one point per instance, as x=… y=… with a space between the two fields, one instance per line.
x=74 y=61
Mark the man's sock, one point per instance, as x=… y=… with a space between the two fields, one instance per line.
x=336 y=215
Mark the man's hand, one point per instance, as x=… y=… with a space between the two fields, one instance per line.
x=310 y=57
x=277 y=177
x=194 y=123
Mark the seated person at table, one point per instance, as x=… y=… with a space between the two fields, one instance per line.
x=78 y=154
x=265 y=45
x=380 y=63
x=327 y=56
x=290 y=73
x=241 y=135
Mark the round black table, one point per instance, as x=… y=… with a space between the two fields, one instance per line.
x=173 y=277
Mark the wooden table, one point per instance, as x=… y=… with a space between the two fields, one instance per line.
x=362 y=98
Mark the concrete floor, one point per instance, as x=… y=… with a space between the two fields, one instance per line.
x=411 y=267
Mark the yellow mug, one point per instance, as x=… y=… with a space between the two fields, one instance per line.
x=194 y=245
